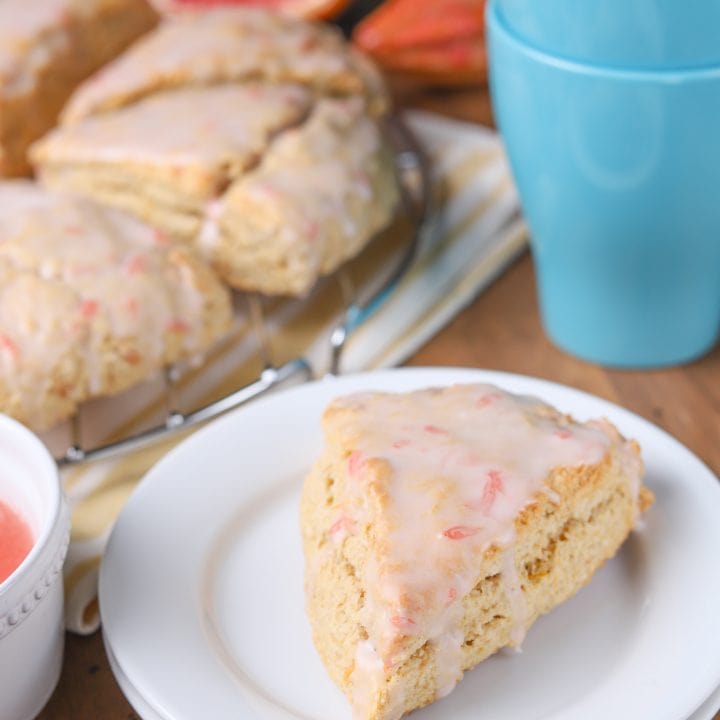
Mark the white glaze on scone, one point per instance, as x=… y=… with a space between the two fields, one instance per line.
x=210 y=134
x=76 y=279
x=228 y=45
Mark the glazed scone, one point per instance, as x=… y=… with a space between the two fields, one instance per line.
x=190 y=126
x=92 y=302
x=169 y=155
x=439 y=524
x=274 y=192
x=230 y=45
x=321 y=192
x=47 y=47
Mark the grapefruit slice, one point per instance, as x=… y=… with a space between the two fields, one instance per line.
x=440 y=42
x=459 y=62
x=407 y=24
x=312 y=9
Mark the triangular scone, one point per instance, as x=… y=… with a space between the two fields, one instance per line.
x=167 y=156
x=439 y=524
x=320 y=193
x=230 y=45
x=91 y=302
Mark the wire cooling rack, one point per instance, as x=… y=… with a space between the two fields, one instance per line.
x=417 y=207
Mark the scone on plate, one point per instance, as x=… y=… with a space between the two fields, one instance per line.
x=91 y=302
x=439 y=524
x=47 y=47
x=186 y=128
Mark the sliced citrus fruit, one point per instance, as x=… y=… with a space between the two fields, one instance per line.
x=409 y=23
x=314 y=9
x=459 y=62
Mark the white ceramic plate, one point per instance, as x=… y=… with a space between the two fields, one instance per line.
x=709 y=708
x=201 y=589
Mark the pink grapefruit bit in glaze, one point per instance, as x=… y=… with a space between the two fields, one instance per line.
x=404 y=623
x=312 y=230
x=178 y=326
x=88 y=308
x=435 y=430
x=8 y=346
x=489 y=399
x=344 y=524
x=493 y=486
x=355 y=463
x=160 y=238
x=460 y=532
x=16 y=540
x=131 y=305
x=137 y=264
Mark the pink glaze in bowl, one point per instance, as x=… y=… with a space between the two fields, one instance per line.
x=31 y=597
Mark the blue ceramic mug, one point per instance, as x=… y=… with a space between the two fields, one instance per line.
x=619 y=178
x=642 y=34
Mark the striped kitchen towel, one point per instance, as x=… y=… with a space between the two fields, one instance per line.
x=477 y=231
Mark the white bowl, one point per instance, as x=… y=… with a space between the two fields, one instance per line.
x=31 y=599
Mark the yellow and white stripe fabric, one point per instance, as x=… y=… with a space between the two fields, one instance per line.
x=477 y=232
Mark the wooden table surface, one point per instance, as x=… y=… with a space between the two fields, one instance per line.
x=501 y=331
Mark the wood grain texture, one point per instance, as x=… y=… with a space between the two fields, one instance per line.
x=501 y=330
x=87 y=689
